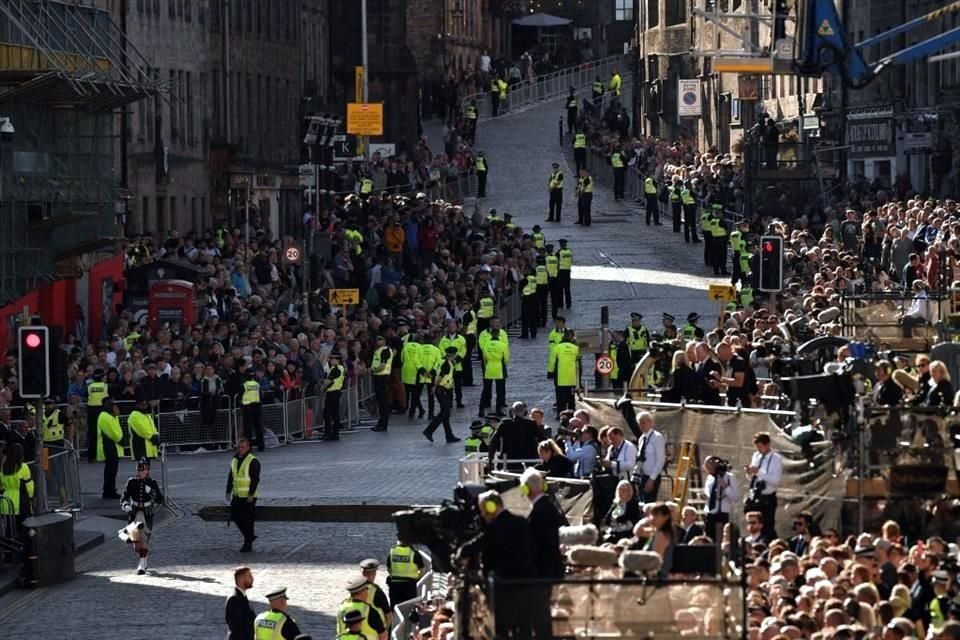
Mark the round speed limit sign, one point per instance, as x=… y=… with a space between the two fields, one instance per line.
x=292 y=255
x=604 y=365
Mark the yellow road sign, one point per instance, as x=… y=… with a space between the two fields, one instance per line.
x=722 y=292
x=340 y=297
x=365 y=119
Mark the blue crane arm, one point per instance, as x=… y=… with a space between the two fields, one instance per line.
x=920 y=50
x=910 y=25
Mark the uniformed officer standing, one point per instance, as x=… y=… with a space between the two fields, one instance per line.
x=580 y=150
x=691 y=331
x=496 y=356
x=529 y=312
x=555 y=191
x=564 y=266
x=333 y=390
x=144 y=437
x=430 y=359
x=96 y=393
x=443 y=391
x=452 y=338
x=584 y=197
x=405 y=566
x=543 y=287
x=597 y=93
x=250 y=403
x=615 y=83
x=718 y=227
x=618 y=162
x=353 y=621
x=653 y=205
x=243 y=487
x=553 y=339
x=706 y=225
x=669 y=328
x=54 y=423
x=676 y=202
x=380 y=366
x=637 y=337
x=410 y=374
x=108 y=448
x=375 y=595
x=372 y=627
x=487 y=308
x=275 y=623
x=552 y=263
x=572 y=108
x=468 y=321
x=738 y=246
x=480 y=164
x=470 y=114
x=565 y=366
x=689 y=204
x=475 y=443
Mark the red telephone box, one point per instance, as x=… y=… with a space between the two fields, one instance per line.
x=172 y=301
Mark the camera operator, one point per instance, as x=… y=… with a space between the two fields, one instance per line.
x=720 y=488
x=583 y=448
x=622 y=454
x=652 y=451
x=765 y=471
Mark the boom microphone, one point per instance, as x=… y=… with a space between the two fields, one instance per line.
x=582 y=534
x=587 y=556
x=644 y=562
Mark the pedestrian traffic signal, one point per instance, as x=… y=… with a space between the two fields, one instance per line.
x=771 y=264
x=33 y=363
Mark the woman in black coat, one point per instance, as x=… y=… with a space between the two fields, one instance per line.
x=623 y=514
x=553 y=461
x=684 y=383
x=941 y=390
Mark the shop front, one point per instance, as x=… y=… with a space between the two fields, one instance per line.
x=871 y=142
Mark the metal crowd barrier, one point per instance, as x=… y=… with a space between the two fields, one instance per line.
x=509 y=310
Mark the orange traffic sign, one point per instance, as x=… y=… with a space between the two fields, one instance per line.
x=365 y=119
x=341 y=297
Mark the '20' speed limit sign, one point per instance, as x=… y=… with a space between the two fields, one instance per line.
x=604 y=365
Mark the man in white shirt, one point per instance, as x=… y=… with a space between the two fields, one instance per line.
x=721 y=492
x=651 y=458
x=765 y=472
x=919 y=313
x=621 y=456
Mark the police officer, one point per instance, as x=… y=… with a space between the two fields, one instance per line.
x=333 y=390
x=669 y=328
x=615 y=83
x=372 y=627
x=554 y=338
x=443 y=391
x=495 y=350
x=706 y=225
x=144 y=437
x=54 y=423
x=689 y=204
x=250 y=404
x=486 y=309
x=468 y=321
x=580 y=149
x=618 y=162
x=108 y=448
x=275 y=623
x=572 y=108
x=564 y=367
x=405 y=565
x=480 y=164
x=539 y=240
x=431 y=357
x=475 y=443
x=718 y=228
x=597 y=93
x=552 y=263
x=543 y=287
x=564 y=266
x=353 y=619
x=366 y=186
x=555 y=190
x=453 y=338
x=243 y=487
x=381 y=368
x=637 y=337
x=653 y=205
x=375 y=595
x=494 y=96
x=584 y=197
x=471 y=114
x=738 y=246
x=529 y=312
x=746 y=291
x=96 y=393
x=691 y=331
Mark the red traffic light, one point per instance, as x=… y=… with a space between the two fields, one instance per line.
x=768 y=247
x=33 y=340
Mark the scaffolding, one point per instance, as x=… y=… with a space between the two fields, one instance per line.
x=65 y=70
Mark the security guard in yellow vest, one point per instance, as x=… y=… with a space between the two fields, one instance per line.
x=580 y=150
x=144 y=437
x=468 y=322
x=333 y=390
x=738 y=247
x=618 y=163
x=691 y=331
x=502 y=88
x=493 y=219
x=471 y=114
x=221 y=234
x=652 y=204
x=108 y=448
x=495 y=350
x=529 y=311
x=689 y=204
x=552 y=263
x=275 y=623
x=543 y=287
x=131 y=340
x=474 y=443
x=555 y=189
x=487 y=307
x=744 y=262
x=637 y=337
x=706 y=224
x=564 y=366
x=443 y=391
x=250 y=405
x=676 y=202
x=572 y=110
x=375 y=595
x=97 y=392
x=480 y=165
x=746 y=294
x=18 y=488
x=243 y=488
x=564 y=267
x=584 y=198
x=615 y=83
x=508 y=224
x=539 y=240
x=405 y=566
x=453 y=338
x=718 y=229
x=381 y=368
x=54 y=423
x=373 y=626
x=669 y=330
x=366 y=186
x=597 y=92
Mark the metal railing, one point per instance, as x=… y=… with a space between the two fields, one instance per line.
x=553 y=85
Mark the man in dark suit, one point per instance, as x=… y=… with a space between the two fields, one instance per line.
x=239 y=615
x=517 y=437
x=806 y=530
x=545 y=521
x=690 y=526
x=506 y=551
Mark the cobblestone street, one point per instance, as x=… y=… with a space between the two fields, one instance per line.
x=618 y=261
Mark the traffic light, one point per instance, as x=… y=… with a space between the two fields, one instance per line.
x=33 y=363
x=771 y=263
